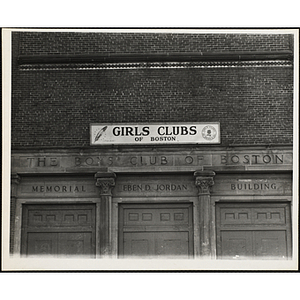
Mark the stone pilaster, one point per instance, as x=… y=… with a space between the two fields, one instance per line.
x=15 y=181
x=106 y=182
x=204 y=180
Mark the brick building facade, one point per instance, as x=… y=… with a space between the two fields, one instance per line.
x=228 y=199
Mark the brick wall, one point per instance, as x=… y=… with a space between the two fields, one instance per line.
x=56 y=107
x=32 y=43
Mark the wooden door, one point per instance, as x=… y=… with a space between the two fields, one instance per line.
x=253 y=230
x=58 y=230
x=155 y=230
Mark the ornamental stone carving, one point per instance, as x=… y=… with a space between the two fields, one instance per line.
x=204 y=184
x=106 y=182
x=106 y=185
x=204 y=180
x=15 y=179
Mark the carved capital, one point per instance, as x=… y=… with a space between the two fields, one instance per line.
x=106 y=182
x=204 y=184
x=15 y=179
x=204 y=180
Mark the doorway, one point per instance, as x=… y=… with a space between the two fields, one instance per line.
x=155 y=230
x=58 y=229
x=253 y=230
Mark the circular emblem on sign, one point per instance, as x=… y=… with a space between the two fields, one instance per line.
x=209 y=132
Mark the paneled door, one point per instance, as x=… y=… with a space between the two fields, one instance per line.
x=156 y=230
x=253 y=230
x=58 y=230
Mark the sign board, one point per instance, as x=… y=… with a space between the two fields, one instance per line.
x=164 y=133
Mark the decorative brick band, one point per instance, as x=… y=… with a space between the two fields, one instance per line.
x=154 y=65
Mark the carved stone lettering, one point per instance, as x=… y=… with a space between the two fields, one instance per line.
x=43 y=162
x=151 y=160
x=58 y=189
x=253 y=186
x=169 y=187
x=251 y=159
x=259 y=159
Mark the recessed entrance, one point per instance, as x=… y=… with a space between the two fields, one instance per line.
x=58 y=230
x=156 y=230
x=253 y=230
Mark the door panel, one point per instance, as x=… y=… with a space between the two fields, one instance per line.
x=236 y=244
x=153 y=230
x=138 y=243
x=270 y=244
x=156 y=244
x=42 y=243
x=159 y=216
x=239 y=215
x=75 y=243
x=172 y=244
x=58 y=216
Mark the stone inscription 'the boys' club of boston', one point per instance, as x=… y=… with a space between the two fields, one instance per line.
x=262 y=158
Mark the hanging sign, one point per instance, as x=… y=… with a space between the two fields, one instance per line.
x=165 y=133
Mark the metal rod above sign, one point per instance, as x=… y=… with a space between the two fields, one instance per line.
x=163 y=133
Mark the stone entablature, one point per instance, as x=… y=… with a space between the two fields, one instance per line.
x=155 y=186
x=131 y=161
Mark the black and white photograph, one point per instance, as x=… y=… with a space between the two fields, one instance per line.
x=151 y=149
